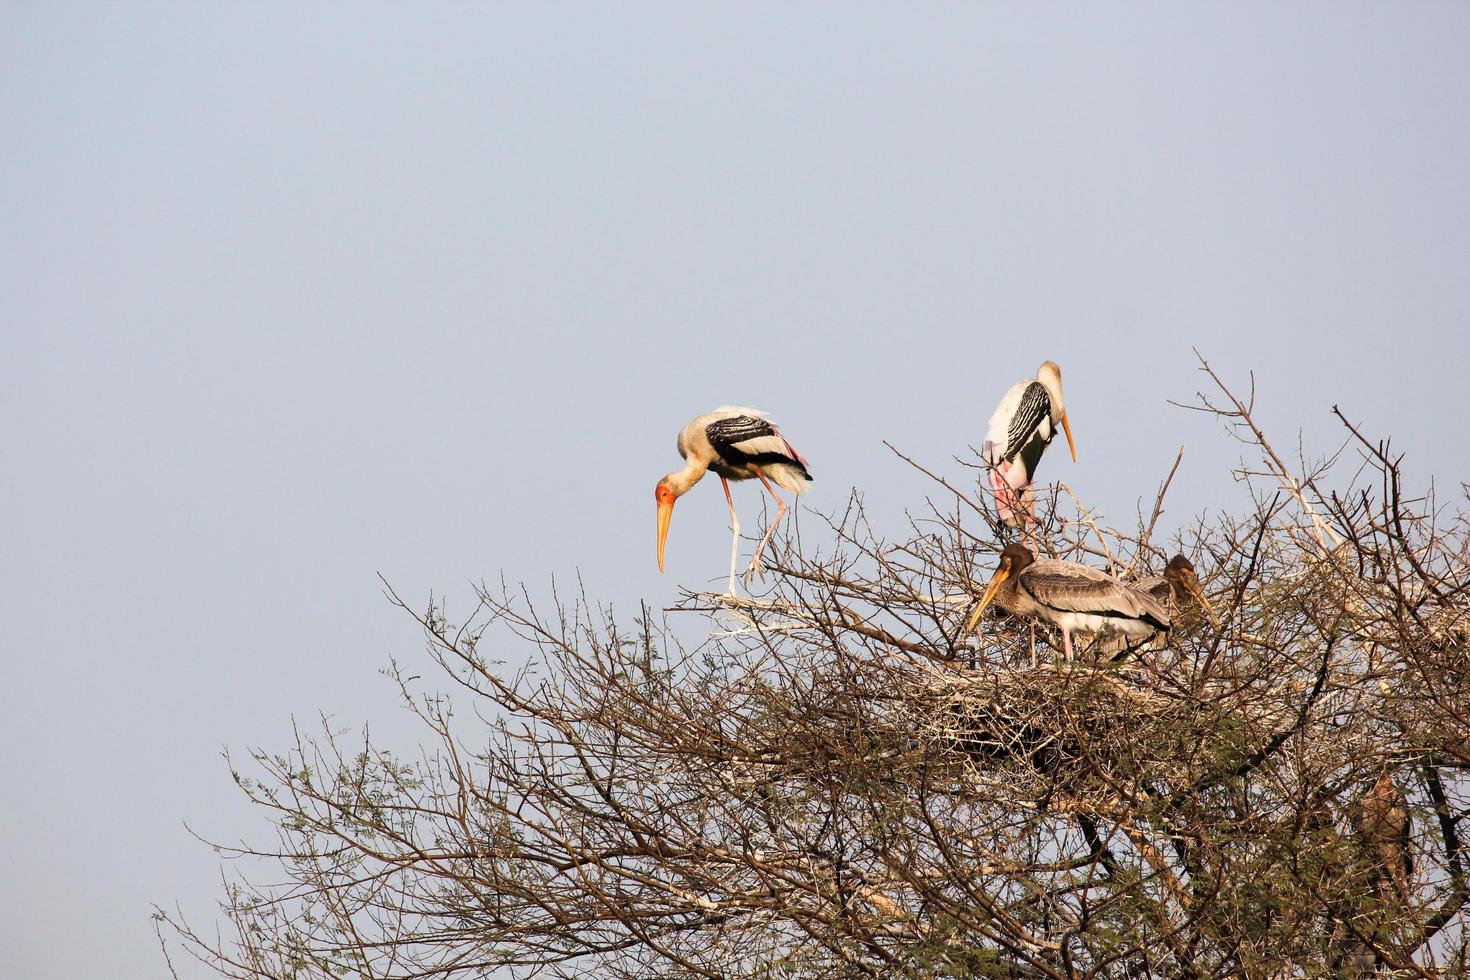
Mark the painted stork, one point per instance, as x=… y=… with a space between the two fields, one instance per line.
x=1024 y=424
x=1176 y=587
x=1072 y=597
x=1175 y=590
x=738 y=444
x=1384 y=831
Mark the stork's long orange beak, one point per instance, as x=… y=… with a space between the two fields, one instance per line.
x=665 y=513
x=1001 y=574
x=1191 y=582
x=1067 y=428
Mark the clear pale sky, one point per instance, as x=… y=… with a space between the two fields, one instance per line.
x=292 y=294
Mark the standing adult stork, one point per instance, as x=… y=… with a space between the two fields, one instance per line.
x=738 y=444
x=1072 y=597
x=1024 y=424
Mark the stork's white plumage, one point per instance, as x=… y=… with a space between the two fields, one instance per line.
x=1023 y=425
x=737 y=443
x=1074 y=598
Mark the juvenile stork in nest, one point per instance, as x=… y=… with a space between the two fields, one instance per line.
x=1177 y=590
x=1177 y=587
x=738 y=444
x=1072 y=597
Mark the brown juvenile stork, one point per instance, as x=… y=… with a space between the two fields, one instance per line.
x=1176 y=587
x=738 y=444
x=1176 y=590
x=1072 y=597
x=1384 y=831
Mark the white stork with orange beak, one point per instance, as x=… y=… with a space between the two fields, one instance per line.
x=738 y=444
x=1024 y=424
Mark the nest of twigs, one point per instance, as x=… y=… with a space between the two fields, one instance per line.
x=1053 y=727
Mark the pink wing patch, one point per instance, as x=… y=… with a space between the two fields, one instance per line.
x=791 y=449
x=1008 y=492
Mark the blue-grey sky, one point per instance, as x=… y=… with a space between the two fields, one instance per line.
x=292 y=294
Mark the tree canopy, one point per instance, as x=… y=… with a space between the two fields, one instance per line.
x=836 y=779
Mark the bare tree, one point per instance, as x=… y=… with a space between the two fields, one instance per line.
x=834 y=780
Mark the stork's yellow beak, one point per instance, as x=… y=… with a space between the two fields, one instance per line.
x=1191 y=582
x=1001 y=574
x=1067 y=428
x=665 y=514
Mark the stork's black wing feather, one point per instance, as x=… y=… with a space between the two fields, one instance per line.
x=746 y=440
x=1035 y=408
x=723 y=434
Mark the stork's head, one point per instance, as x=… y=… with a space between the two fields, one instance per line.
x=1050 y=376
x=1184 y=581
x=1014 y=558
x=664 y=496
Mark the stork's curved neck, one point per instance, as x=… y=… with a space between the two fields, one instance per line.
x=1053 y=386
x=1050 y=377
x=681 y=480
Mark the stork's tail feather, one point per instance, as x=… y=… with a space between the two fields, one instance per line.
x=790 y=476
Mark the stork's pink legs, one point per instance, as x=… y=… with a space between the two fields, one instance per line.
x=734 y=533
x=755 y=560
x=1028 y=515
x=1003 y=492
x=1012 y=500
